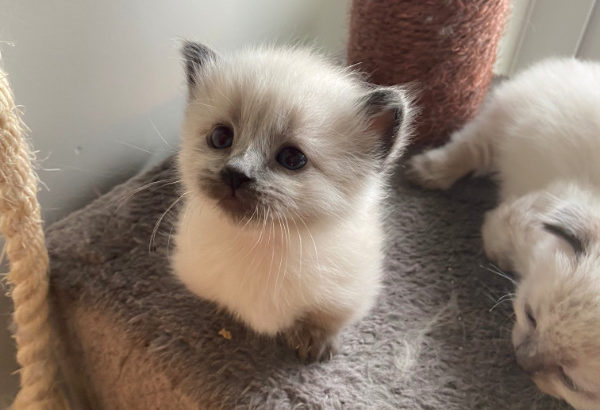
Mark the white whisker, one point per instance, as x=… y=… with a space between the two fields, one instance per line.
x=497 y=271
x=160 y=219
x=504 y=298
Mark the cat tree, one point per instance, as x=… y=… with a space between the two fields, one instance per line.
x=126 y=335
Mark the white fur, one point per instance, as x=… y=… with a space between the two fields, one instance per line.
x=316 y=246
x=271 y=276
x=539 y=134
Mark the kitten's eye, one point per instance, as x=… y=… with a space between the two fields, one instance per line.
x=221 y=137
x=291 y=158
x=566 y=380
x=530 y=317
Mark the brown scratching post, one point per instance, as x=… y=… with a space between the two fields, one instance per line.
x=445 y=47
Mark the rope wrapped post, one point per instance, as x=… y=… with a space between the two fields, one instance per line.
x=21 y=226
x=446 y=48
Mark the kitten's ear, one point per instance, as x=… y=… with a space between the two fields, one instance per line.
x=387 y=109
x=195 y=56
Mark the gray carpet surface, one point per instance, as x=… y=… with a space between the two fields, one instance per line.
x=432 y=341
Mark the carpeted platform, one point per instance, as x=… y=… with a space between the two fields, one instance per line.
x=136 y=339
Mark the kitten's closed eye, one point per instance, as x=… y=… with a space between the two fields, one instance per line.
x=566 y=380
x=221 y=137
x=530 y=316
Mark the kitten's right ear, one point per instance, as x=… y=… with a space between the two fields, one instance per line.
x=196 y=56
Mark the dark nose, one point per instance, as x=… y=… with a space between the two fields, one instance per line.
x=234 y=178
x=530 y=359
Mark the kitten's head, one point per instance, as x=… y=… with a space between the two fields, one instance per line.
x=557 y=331
x=272 y=133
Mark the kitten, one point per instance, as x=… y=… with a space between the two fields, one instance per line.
x=284 y=161
x=539 y=133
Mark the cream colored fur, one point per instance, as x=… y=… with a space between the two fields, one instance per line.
x=539 y=134
x=313 y=246
x=271 y=276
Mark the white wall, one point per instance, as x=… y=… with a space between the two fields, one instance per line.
x=540 y=29
x=100 y=80
x=589 y=47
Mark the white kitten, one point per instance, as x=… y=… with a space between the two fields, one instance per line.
x=283 y=163
x=539 y=133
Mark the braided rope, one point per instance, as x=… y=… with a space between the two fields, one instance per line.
x=20 y=223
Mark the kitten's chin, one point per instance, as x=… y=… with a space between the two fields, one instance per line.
x=545 y=385
x=237 y=209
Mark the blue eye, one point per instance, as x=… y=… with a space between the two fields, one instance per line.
x=291 y=158
x=221 y=137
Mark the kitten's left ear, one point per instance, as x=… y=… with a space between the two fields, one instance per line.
x=387 y=109
x=196 y=56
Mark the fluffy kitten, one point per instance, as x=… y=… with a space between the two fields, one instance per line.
x=284 y=160
x=540 y=135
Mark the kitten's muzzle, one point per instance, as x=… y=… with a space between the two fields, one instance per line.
x=529 y=359
x=533 y=359
x=234 y=178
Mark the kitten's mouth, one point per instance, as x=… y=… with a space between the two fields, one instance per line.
x=238 y=207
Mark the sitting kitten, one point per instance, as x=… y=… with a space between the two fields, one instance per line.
x=284 y=161
x=540 y=135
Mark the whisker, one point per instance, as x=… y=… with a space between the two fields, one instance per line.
x=504 y=298
x=251 y=216
x=300 y=243
x=131 y=194
x=497 y=271
x=281 y=251
x=287 y=244
x=272 y=248
x=127 y=144
x=311 y=237
x=160 y=219
x=160 y=135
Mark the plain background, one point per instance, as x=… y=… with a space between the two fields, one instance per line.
x=102 y=88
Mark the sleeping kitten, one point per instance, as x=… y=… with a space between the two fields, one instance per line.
x=284 y=161
x=540 y=135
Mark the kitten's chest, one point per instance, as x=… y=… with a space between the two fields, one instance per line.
x=269 y=275
x=221 y=258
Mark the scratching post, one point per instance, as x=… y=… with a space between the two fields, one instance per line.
x=446 y=48
x=21 y=226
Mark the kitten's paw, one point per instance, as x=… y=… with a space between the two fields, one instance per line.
x=496 y=238
x=311 y=343
x=430 y=170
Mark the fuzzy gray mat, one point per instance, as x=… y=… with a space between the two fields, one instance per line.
x=431 y=342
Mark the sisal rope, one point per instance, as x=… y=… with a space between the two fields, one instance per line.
x=21 y=225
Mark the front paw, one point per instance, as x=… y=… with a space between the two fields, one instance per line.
x=430 y=170
x=311 y=343
x=497 y=242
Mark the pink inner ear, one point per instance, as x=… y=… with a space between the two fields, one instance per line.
x=383 y=124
